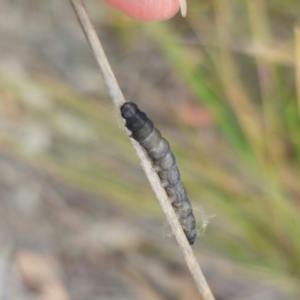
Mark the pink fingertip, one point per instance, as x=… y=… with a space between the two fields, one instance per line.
x=147 y=10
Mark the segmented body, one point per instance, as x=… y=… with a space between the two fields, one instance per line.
x=158 y=150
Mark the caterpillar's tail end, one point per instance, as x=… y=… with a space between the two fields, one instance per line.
x=189 y=227
x=191 y=235
x=192 y=239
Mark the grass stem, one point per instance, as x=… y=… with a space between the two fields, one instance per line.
x=118 y=100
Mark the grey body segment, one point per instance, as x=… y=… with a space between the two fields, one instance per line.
x=158 y=149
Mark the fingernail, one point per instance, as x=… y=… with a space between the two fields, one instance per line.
x=182 y=4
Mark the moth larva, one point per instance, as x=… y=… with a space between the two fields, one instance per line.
x=158 y=150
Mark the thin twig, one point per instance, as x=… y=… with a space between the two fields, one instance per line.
x=118 y=100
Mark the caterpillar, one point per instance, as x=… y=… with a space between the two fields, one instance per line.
x=158 y=150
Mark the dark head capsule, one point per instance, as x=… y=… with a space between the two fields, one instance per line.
x=128 y=110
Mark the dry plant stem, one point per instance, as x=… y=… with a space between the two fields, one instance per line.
x=152 y=176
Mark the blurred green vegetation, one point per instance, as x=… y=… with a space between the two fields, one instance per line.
x=236 y=59
x=243 y=70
